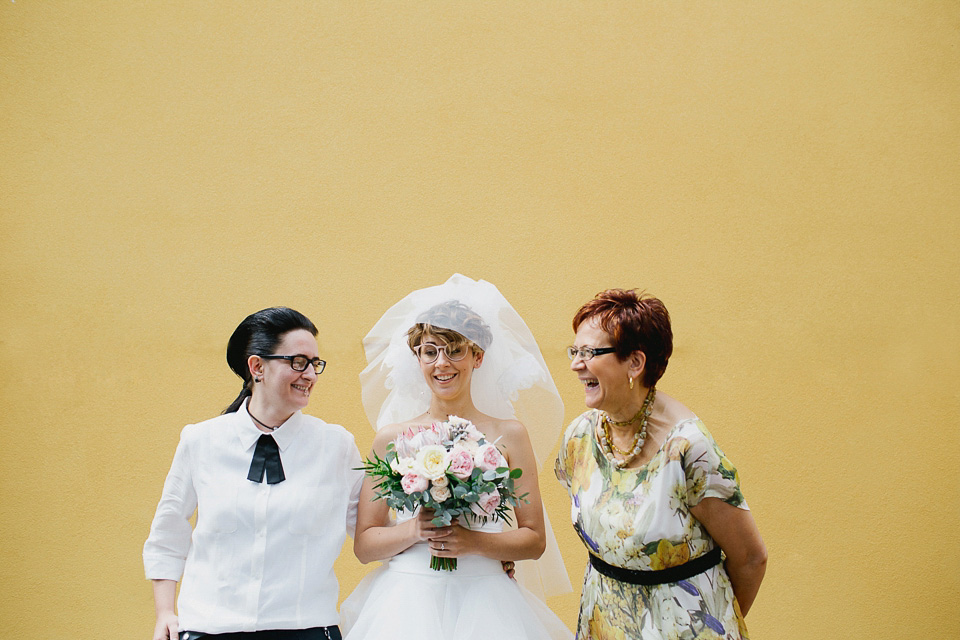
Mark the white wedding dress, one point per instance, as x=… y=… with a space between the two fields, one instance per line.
x=407 y=600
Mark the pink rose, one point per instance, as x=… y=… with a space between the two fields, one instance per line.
x=488 y=457
x=412 y=483
x=487 y=504
x=461 y=463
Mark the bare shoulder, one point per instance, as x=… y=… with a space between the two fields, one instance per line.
x=510 y=436
x=672 y=410
x=502 y=430
x=388 y=434
x=512 y=429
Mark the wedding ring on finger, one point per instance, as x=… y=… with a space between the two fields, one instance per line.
x=441 y=546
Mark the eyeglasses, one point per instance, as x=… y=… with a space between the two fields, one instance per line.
x=587 y=353
x=299 y=363
x=430 y=352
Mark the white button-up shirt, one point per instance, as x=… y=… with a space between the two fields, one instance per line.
x=261 y=555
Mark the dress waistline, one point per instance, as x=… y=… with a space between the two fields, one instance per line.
x=658 y=576
x=313 y=633
x=416 y=559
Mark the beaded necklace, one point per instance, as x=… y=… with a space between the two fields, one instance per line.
x=610 y=450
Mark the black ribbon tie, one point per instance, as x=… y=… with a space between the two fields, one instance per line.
x=266 y=458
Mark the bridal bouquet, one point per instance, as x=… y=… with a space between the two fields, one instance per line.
x=448 y=467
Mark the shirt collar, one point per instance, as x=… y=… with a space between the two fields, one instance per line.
x=248 y=432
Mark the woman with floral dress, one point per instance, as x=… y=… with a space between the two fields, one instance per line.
x=674 y=551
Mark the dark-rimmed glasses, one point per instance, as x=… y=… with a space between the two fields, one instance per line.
x=299 y=363
x=586 y=353
x=430 y=352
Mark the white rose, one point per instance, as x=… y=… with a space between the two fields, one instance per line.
x=440 y=493
x=432 y=461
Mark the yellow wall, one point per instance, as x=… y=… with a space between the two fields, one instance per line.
x=783 y=175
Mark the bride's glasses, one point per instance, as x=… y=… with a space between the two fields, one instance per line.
x=430 y=352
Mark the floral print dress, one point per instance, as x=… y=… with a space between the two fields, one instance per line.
x=640 y=519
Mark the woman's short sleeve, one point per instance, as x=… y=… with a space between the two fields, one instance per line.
x=571 y=450
x=562 y=466
x=709 y=473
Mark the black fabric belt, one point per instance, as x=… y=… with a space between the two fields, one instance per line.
x=658 y=576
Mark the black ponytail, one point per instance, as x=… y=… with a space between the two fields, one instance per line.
x=259 y=334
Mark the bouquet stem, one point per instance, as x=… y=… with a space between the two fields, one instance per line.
x=443 y=564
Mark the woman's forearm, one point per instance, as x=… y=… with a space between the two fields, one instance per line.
x=380 y=543
x=517 y=544
x=735 y=531
x=746 y=577
x=164 y=595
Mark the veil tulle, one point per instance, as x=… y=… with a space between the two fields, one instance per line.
x=513 y=382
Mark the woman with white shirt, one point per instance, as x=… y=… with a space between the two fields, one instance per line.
x=275 y=493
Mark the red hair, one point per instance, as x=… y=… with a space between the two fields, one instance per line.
x=635 y=322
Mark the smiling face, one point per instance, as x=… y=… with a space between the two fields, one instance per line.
x=449 y=379
x=284 y=390
x=605 y=378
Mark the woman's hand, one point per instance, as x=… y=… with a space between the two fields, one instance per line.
x=167 y=626
x=164 y=594
x=377 y=537
x=422 y=527
x=454 y=541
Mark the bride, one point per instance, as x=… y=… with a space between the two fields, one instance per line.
x=458 y=349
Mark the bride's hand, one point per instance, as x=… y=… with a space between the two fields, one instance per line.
x=454 y=542
x=424 y=529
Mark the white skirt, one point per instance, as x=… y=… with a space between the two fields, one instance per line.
x=407 y=600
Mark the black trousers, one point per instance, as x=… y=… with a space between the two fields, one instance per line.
x=315 y=633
